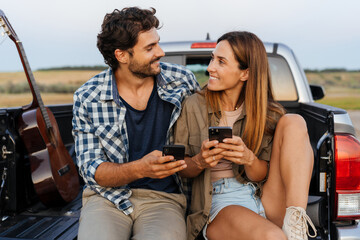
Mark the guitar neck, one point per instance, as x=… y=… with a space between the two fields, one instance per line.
x=37 y=100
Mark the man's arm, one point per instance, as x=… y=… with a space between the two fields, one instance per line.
x=152 y=165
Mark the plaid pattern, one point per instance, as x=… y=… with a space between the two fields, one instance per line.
x=99 y=126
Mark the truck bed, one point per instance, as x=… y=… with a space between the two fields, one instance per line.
x=40 y=222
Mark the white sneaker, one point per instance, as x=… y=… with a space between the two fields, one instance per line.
x=295 y=224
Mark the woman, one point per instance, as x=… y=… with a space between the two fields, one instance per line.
x=230 y=177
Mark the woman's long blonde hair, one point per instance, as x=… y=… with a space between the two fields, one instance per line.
x=256 y=93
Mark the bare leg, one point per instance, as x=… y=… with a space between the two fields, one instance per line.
x=236 y=222
x=290 y=168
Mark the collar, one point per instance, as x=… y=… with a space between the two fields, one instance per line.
x=107 y=86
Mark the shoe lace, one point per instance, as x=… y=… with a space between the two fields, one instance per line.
x=300 y=223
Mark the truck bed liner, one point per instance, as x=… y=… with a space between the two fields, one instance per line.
x=39 y=222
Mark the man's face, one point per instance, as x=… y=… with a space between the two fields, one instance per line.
x=145 y=58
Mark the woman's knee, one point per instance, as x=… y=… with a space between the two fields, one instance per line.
x=292 y=124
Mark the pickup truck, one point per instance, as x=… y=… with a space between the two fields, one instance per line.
x=334 y=195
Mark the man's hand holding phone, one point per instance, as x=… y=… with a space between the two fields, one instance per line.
x=156 y=165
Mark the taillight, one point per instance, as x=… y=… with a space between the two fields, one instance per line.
x=204 y=45
x=347 y=161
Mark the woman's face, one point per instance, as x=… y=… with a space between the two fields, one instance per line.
x=224 y=69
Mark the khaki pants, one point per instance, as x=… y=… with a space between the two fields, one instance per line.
x=157 y=215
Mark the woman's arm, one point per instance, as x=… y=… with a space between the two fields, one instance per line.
x=192 y=169
x=256 y=169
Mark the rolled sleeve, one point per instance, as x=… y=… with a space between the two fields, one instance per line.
x=265 y=148
x=191 y=126
x=181 y=132
x=88 y=150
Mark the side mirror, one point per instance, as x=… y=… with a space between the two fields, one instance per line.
x=317 y=91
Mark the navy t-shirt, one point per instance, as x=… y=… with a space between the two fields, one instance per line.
x=147 y=131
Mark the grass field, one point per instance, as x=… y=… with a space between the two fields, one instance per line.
x=335 y=79
x=49 y=77
x=57 y=78
x=342 y=88
x=15 y=100
x=346 y=98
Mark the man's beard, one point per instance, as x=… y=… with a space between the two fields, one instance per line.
x=144 y=70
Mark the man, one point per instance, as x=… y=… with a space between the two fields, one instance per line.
x=122 y=119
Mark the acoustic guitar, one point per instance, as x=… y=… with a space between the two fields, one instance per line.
x=53 y=171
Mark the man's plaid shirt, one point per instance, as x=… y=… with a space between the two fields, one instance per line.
x=99 y=126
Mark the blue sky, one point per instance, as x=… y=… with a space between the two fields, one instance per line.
x=322 y=33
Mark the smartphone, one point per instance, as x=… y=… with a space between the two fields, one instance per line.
x=219 y=133
x=177 y=151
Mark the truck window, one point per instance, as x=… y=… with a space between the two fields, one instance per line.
x=282 y=79
x=198 y=66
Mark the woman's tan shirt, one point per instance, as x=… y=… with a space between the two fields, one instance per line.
x=191 y=130
x=224 y=167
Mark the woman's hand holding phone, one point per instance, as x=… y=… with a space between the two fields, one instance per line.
x=209 y=155
x=234 y=149
x=237 y=152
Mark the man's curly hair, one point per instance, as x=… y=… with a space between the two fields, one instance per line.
x=120 y=30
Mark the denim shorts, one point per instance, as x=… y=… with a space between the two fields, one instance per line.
x=228 y=191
